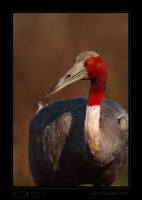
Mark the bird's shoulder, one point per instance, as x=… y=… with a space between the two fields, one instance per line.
x=114 y=111
x=51 y=126
x=49 y=112
x=114 y=125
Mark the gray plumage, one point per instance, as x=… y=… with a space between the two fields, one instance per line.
x=57 y=149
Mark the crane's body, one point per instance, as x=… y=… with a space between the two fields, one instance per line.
x=79 y=140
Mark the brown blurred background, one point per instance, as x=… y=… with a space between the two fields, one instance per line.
x=45 y=46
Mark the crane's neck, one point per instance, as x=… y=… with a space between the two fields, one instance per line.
x=92 y=130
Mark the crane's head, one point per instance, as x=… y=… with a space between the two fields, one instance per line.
x=88 y=66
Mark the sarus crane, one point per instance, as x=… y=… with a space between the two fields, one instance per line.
x=82 y=140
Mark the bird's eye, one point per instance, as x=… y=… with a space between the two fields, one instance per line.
x=90 y=61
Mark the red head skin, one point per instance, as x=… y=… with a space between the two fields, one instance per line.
x=98 y=76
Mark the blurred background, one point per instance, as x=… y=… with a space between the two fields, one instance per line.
x=45 y=46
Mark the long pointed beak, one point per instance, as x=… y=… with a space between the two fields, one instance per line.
x=77 y=72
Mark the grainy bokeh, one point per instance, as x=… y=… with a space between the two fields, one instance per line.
x=44 y=48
